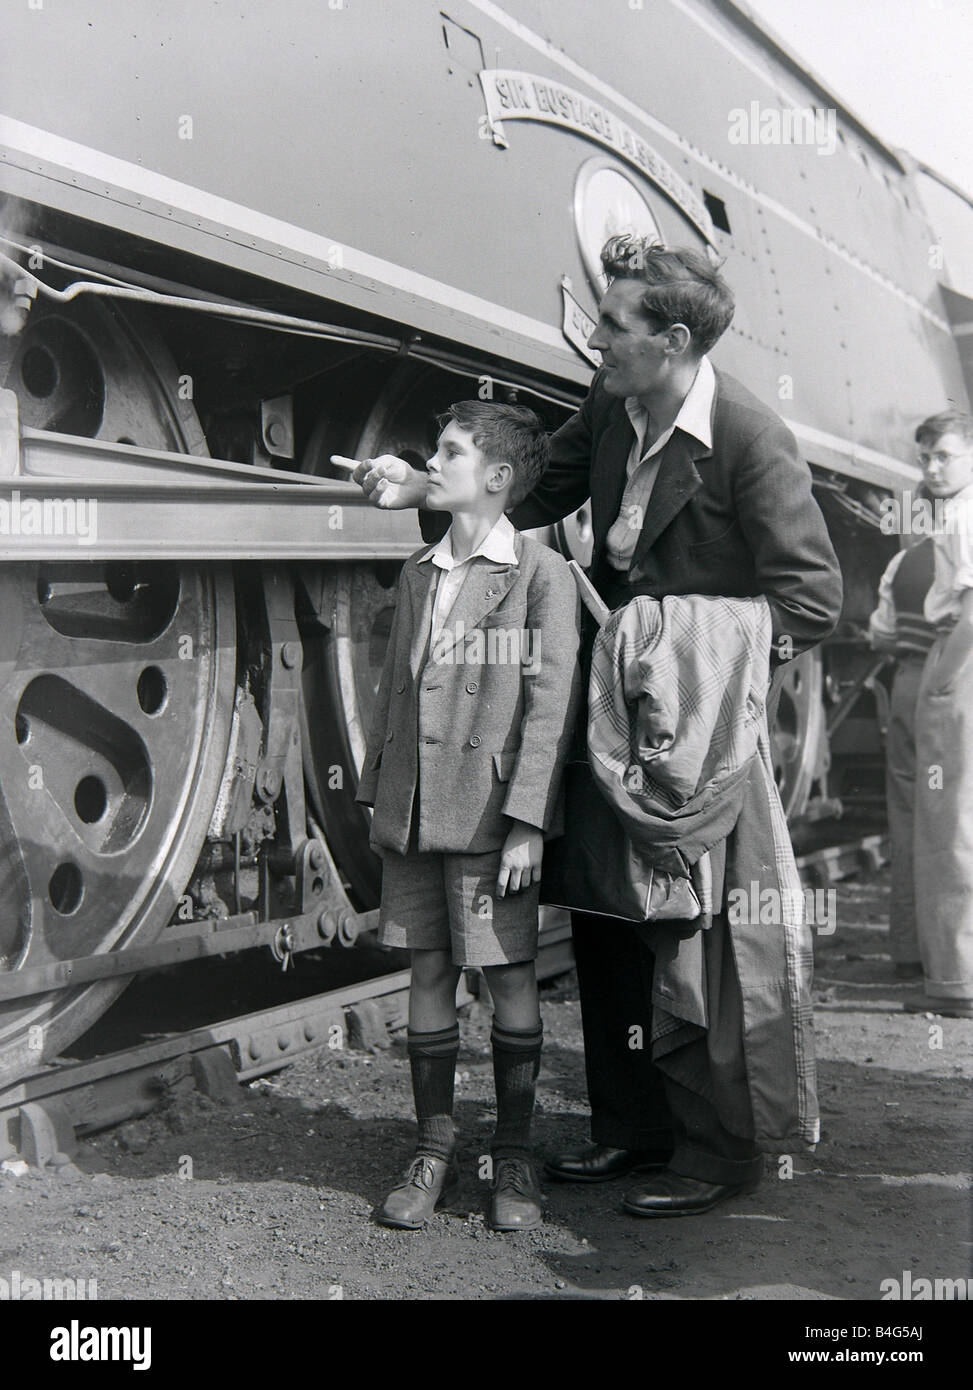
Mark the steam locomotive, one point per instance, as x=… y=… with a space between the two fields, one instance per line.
x=236 y=240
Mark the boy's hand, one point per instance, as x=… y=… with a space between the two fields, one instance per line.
x=520 y=859
x=388 y=482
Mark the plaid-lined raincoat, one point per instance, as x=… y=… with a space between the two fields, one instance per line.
x=678 y=744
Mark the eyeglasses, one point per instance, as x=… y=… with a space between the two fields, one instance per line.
x=939 y=456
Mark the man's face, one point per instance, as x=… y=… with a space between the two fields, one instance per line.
x=632 y=352
x=947 y=465
x=458 y=472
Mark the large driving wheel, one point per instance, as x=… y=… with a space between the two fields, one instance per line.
x=116 y=683
x=342 y=669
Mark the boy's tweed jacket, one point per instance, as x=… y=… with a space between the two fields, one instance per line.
x=467 y=734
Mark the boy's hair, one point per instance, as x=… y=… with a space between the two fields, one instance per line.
x=505 y=434
x=947 y=422
x=680 y=286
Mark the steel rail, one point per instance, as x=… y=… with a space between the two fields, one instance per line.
x=89 y=1095
x=41 y=1112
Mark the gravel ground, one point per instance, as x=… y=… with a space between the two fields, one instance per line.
x=284 y=1179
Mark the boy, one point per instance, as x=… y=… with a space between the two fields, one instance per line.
x=898 y=628
x=463 y=768
x=943 y=841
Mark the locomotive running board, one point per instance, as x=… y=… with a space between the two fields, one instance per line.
x=64 y=497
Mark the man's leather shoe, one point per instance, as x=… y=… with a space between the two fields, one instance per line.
x=671 y=1194
x=599 y=1163
x=943 y=1008
x=426 y=1182
x=515 y=1203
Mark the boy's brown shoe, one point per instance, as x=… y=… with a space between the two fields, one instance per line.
x=515 y=1202
x=426 y=1182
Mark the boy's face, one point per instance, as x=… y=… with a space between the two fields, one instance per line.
x=947 y=465
x=460 y=478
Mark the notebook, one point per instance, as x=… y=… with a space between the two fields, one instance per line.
x=589 y=594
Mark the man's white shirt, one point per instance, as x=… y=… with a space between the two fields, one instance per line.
x=954 y=561
x=642 y=468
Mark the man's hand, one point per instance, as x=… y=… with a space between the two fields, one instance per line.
x=956 y=649
x=388 y=482
x=520 y=859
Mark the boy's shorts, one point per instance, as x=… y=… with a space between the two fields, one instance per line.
x=449 y=902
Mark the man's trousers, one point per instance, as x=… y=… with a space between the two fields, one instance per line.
x=900 y=786
x=634 y=1105
x=944 y=829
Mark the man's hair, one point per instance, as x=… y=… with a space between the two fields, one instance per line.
x=505 y=434
x=680 y=286
x=934 y=427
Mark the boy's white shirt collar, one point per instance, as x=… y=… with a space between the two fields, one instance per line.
x=695 y=413
x=497 y=545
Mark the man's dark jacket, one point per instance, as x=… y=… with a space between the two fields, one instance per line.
x=736 y=521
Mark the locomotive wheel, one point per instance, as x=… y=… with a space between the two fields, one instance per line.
x=341 y=676
x=796 y=739
x=342 y=671
x=116 y=681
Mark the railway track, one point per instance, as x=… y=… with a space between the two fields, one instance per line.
x=43 y=1114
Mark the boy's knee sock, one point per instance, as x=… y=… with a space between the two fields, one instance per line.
x=432 y=1057
x=516 y=1062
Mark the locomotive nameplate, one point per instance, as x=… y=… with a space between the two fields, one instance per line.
x=525 y=96
x=577 y=324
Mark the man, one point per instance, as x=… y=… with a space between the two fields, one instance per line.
x=943 y=842
x=898 y=627
x=696 y=488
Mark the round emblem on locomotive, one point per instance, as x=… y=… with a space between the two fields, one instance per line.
x=607 y=202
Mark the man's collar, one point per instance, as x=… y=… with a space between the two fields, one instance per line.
x=497 y=545
x=696 y=411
